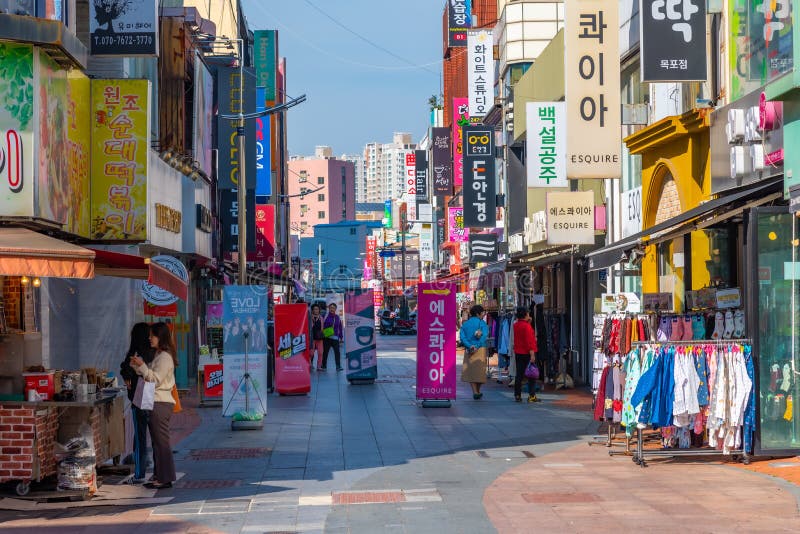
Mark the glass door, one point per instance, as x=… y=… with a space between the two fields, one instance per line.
x=774 y=300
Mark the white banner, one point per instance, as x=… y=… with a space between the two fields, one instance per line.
x=592 y=83
x=570 y=218
x=631 y=211
x=426 y=242
x=480 y=72
x=546 y=138
x=425 y=212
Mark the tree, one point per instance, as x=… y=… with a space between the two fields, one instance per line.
x=434 y=102
x=107 y=11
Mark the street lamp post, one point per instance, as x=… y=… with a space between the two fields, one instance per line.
x=242 y=191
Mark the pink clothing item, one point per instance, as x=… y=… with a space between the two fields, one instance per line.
x=687 y=328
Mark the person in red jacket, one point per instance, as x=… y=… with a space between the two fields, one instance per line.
x=525 y=350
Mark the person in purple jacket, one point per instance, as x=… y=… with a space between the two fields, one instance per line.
x=334 y=332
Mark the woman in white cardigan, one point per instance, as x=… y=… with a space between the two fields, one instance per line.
x=162 y=372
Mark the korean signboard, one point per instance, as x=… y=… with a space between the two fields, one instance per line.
x=455 y=225
x=123 y=28
x=546 y=139
x=244 y=326
x=592 y=86
x=442 y=164
x=570 y=218
x=631 y=211
x=480 y=72
x=424 y=212
x=263 y=149
x=482 y=247
x=203 y=116
x=265 y=232
x=120 y=151
x=436 y=341
x=673 y=40
x=229 y=159
x=292 y=350
x=369 y=260
x=479 y=181
x=229 y=220
x=426 y=242
x=460 y=119
x=459 y=18
x=421 y=173
x=359 y=336
x=265 y=59
x=410 y=175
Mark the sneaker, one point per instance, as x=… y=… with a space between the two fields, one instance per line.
x=135 y=481
x=517 y=399
x=339 y=369
x=533 y=398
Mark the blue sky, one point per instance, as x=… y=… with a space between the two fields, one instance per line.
x=356 y=92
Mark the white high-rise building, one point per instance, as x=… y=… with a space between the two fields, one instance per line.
x=385 y=166
x=360 y=164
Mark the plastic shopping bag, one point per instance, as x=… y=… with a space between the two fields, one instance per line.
x=145 y=395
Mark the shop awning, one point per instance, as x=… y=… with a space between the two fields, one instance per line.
x=24 y=252
x=717 y=210
x=109 y=263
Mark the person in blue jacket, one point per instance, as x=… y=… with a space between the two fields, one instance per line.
x=474 y=334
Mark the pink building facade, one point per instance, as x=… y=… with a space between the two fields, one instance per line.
x=333 y=198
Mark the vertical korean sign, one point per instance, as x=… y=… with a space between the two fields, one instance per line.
x=673 y=40
x=460 y=119
x=480 y=72
x=546 y=144
x=421 y=173
x=426 y=242
x=459 y=18
x=480 y=197
x=442 y=162
x=591 y=42
x=410 y=175
x=120 y=151
x=436 y=341
x=455 y=225
x=369 y=260
x=244 y=342
x=292 y=358
x=359 y=336
x=263 y=153
x=265 y=232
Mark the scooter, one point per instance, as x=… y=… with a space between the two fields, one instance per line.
x=388 y=324
x=407 y=326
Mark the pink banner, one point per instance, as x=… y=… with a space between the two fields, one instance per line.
x=265 y=232
x=436 y=341
x=460 y=117
x=455 y=226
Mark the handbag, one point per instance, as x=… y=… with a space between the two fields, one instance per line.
x=177 y=408
x=328 y=332
x=531 y=371
x=145 y=395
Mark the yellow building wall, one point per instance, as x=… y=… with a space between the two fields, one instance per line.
x=220 y=12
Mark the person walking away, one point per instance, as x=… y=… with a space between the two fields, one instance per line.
x=139 y=346
x=474 y=334
x=525 y=349
x=333 y=332
x=162 y=372
x=316 y=336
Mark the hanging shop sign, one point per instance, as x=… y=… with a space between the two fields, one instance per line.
x=426 y=242
x=592 y=87
x=265 y=59
x=244 y=343
x=265 y=232
x=203 y=116
x=516 y=243
x=631 y=211
x=387 y=214
x=410 y=175
x=442 y=162
x=123 y=28
x=421 y=173
x=229 y=220
x=535 y=228
x=436 y=341
x=620 y=302
x=480 y=198
x=673 y=40
x=546 y=144
x=359 y=336
x=570 y=218
x=424 y=212
x=460 y=119
x=480 y=72
x=263 y=149
x=459 y=19
x=204 y=219
x=161 y=297
x=229 y=160
x=482 y=248
x=457 y=233
x=120 y=152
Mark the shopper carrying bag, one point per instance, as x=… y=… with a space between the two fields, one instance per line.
x=474 y=334
x=525 y=349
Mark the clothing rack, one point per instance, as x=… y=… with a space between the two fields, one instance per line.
x=696 y=342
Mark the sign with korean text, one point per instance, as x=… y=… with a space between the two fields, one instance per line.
x=480 y=198
x=265 y=232
x=436 y=341
x=457 y=233
x=482 y=247
x=460 y=119
x=631 y=211
x=410 y=175
x=459 y=18
x=229 y=160
x=120 y=152
x=442 y=162
x=123 y=28
x=592 y=86
x=263 y=153
x=421 y=173
x=546 y=138
x=673 y=40
x=265 y=58
x=359 y=336
x=369 y=259
x=292 y=356
x=244 y=342
x=229 y=220
x=213 y=380
x=480 y=72
x=570 y=218
x=426 y=242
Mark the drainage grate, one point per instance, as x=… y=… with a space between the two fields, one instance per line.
x=228 y=454
x=207 y=484
x=367 y=497
x=560 y=498
x=505 y=454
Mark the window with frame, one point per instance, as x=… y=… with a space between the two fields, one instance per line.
x=320 y=214
x=352 y=231
x=321 y=197
x=321 y=180
x=303 y=177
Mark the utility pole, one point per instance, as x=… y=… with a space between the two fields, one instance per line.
x=319 y=266
x=403 y=223
x=242 y=191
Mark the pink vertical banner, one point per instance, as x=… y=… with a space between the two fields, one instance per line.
x=455 y=225
x=436 y=341
x=460 y=117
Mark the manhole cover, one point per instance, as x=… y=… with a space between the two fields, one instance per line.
x=228 y=454
x=505 y=454
x=207 y=484
x=559 y=498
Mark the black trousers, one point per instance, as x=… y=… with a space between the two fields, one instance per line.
x=164 y=468
x=522 y=361
x=328 y=344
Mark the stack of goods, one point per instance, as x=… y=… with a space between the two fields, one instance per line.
x=620 y=332
x=76 y=463
x=711 y=325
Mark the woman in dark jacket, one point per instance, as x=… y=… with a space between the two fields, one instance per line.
x=140 y=345
x=331 y=341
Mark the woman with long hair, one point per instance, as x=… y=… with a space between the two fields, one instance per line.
x=162 y=372
x=474 y=334
x=140 y=346
x=316 y=335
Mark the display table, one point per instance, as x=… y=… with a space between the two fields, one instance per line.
x=29 y=431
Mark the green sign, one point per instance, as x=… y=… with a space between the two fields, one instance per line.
x=265 y=51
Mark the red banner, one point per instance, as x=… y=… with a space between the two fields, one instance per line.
x=170 y=310
x=212 y=381
x=292 y=357
x=265 y=232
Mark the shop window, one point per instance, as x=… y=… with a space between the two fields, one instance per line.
x=721 y=270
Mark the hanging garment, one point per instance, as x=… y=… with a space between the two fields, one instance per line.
x=600 y=400
x=684 y=404
x=750 y=409
x=656 y=389
x=502 y=337
x=702 y=375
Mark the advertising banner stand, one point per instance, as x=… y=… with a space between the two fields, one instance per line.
x=292 y=356
x=436 y=345
x=361 y=353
